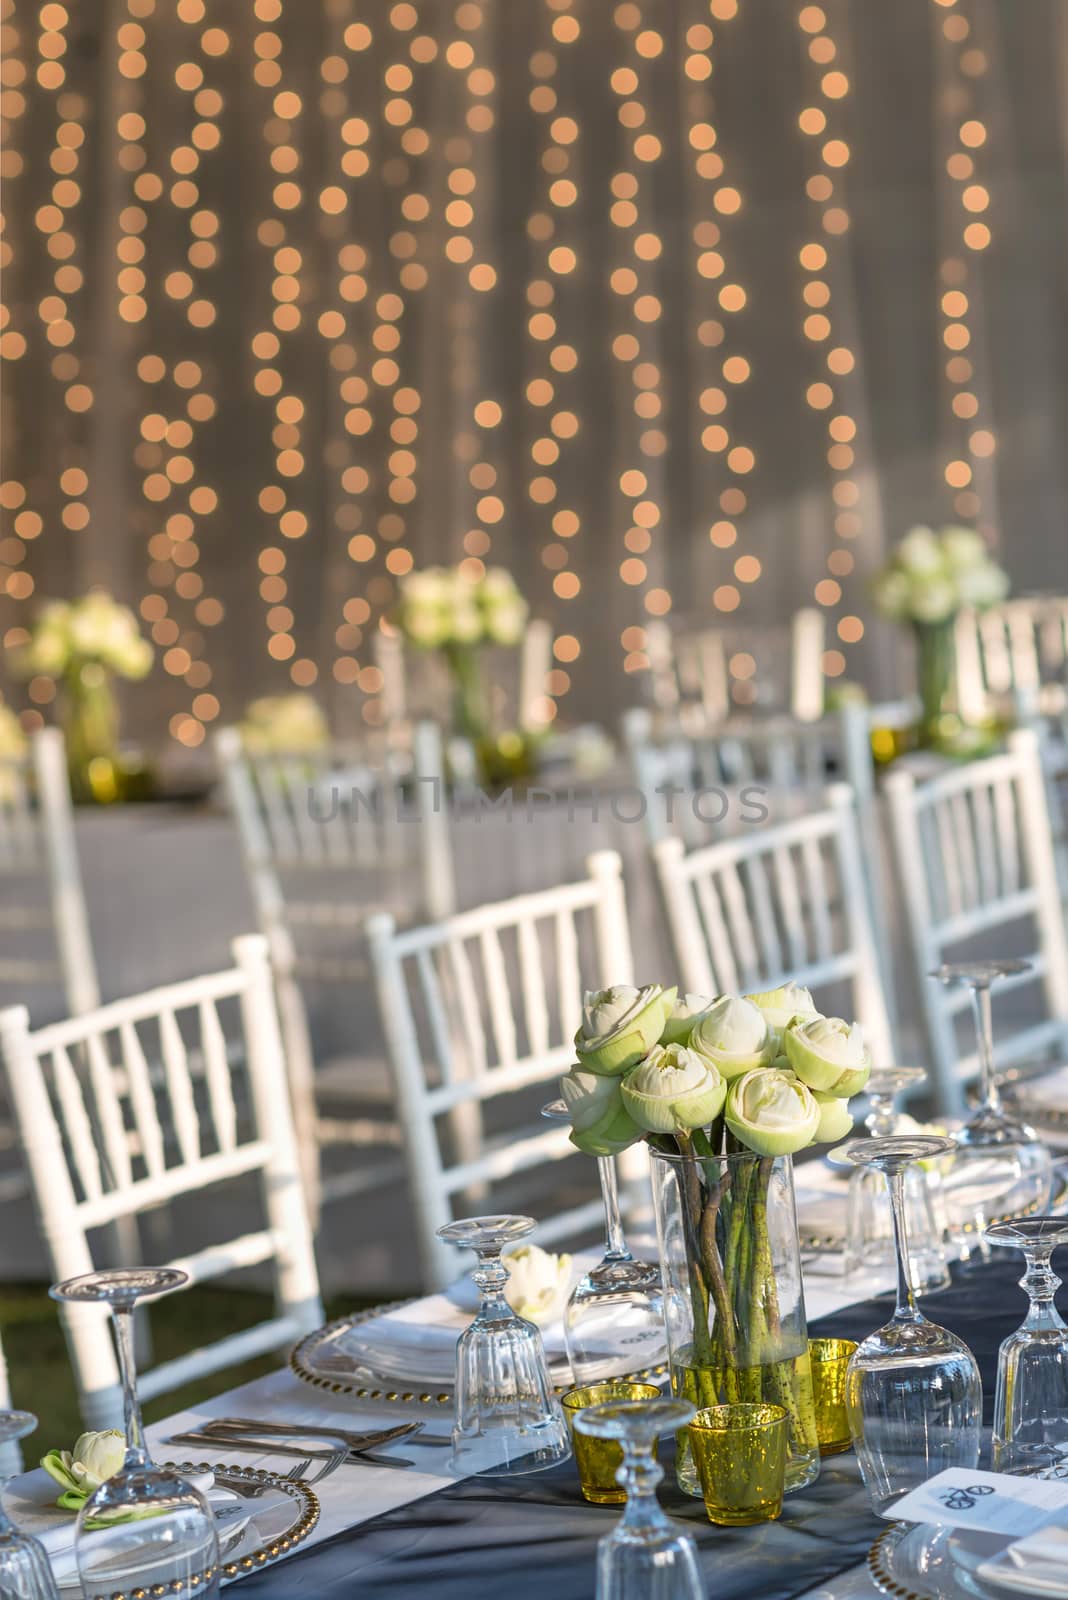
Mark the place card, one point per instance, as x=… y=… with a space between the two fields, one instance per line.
x=994 y=1502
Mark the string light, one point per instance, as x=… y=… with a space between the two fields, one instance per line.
x=968 y=466
x=829 y=322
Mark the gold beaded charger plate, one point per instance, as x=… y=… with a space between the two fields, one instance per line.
x=327 y=1359
x=920 y=1561
x=276 y=1515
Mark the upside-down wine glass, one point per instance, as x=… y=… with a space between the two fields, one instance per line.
x=24 y=1570
x=869 y=1223
x=508 y=1419
x=646 y=1556
x=913 y=1392
x=1001 y=1169
x=1031 y=1400
x=145 y=1529
x=614 y=1320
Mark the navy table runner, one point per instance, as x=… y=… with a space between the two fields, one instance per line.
x=535 y=1538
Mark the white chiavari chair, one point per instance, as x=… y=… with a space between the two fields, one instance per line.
x=782 y=668
x=106 y=1137
x=40 y=877
x=783 y=901
x=973 y=854
x=480 y=1013
x=329 y=837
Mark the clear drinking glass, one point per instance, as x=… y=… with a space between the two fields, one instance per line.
x=913 y=1392
x=1001 y=1168
x=1031 y=1401
x=614 y=1320
x=146 y=1529
x=507 y=1418
x=646 y=1556
x=24 y=1570
x=869 y=1224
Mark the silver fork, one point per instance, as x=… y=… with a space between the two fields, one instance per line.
x=297 y=1473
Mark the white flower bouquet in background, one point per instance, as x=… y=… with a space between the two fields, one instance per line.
x=284 y=724
x=451 y=611
x=84 y=645
x=724 y=1091
x=930 y=578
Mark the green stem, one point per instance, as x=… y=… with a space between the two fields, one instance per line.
x=690 y=1192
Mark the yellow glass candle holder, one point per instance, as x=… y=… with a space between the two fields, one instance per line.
x=598 y=1460
x=829 y=1359
x=740 y=1455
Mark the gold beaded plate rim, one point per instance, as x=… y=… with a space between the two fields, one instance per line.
x=880 y=1557
x=368 y=1384
x=306 y=1515
x=834 y=1243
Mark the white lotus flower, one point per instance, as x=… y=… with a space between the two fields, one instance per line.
x=600 y=1123
x=620 y=1025
x=673 y=1089
x=684 y=1015
x=829 y=1054
x=537 y=1282
x=771 y=1112
x=734 y=1034
x=780 y=1006
x=919 y=554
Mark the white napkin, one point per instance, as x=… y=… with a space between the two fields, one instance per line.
x=1037 y=1565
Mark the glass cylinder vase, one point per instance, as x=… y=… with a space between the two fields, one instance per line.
x=733 y=1297
x=936 y=660
x=91 y=732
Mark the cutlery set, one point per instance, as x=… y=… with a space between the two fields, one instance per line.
x=341 y=1446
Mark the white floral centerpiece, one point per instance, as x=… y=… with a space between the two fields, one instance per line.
x=724 y=1091
x=930 y=578
x=284 y=724
x=455 y=612
x=85 y=644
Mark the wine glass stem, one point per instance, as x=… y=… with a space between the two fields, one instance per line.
x=984 y=1034
x=907 y=1310
x=616 y=1248
x=639 y=1476
x=491 y=1276
x=136 y=1453
x=1041 y=1284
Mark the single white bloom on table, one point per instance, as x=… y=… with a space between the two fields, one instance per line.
x=95 y=1458
x=772 y=1112
x=537 y=1282
x=673 y=1090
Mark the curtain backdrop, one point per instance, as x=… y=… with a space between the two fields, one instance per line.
x=675 y=307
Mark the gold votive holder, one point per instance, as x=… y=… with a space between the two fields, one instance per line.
x=829 y=1359
x=740 y=1455
x=598 y=1460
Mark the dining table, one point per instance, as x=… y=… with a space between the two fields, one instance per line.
x=418 y=1532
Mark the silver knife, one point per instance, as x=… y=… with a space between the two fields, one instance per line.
x=265 y=1446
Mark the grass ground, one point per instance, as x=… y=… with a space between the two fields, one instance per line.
x=40 y=1373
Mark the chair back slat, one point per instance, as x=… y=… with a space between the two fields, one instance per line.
x=532 y=976
x=87 y=1167
x=786 y=901
x=143 y=1099
x=102 y=1076
x=78 y=1124
x=217 y=1075
x=973 y=852
x=179 y=1087
x=479 y=1012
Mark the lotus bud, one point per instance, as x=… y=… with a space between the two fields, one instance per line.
x=828 y=1054
x=771 y=1112
x=780 y=1006
x=835 y=1122
x=684 y=1015
x=600 y=1123
x=733 y=1033
x=673 y=1089
x=620 y=1025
